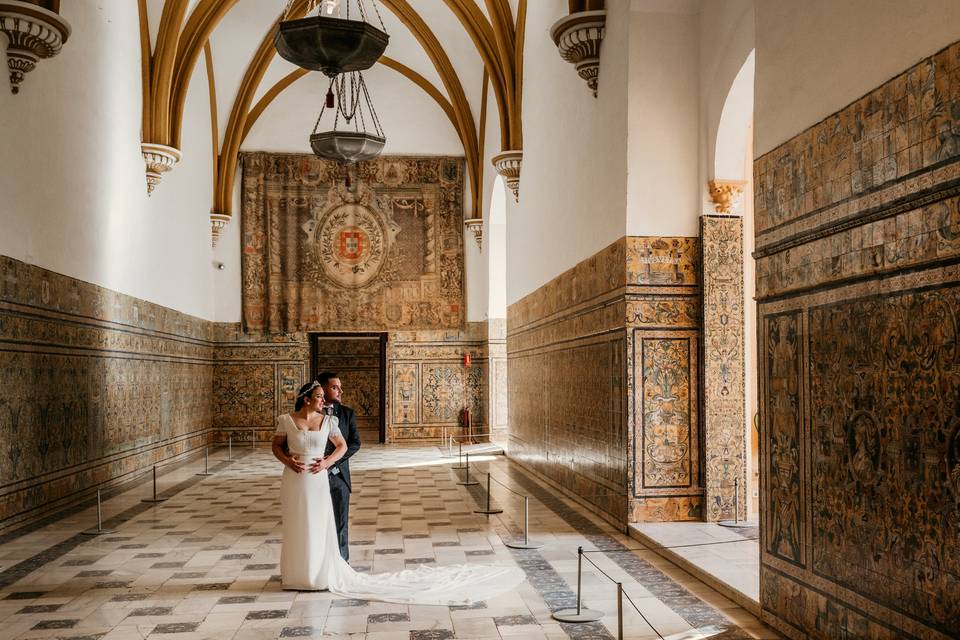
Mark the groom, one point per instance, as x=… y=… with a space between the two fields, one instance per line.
x=340 y=472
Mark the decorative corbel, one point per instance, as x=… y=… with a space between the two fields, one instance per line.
x=159 y=159
x=508 y=166
x=578 y=37
x=476 y=226
x=725 y=194
x=33 y=32
x=217 y=222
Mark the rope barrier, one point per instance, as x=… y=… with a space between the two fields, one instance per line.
x=621 y=590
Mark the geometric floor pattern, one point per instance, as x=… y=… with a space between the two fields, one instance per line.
x=203 y=564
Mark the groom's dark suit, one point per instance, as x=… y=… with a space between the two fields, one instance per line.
x=340 y=475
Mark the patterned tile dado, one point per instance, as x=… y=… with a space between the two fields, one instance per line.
x=588 y=324
x=724 y=397
x=915 y=237
x=884 y=381
x=905 y=126
x=429 y=384
x=96 y=386
x=386 y=253
x=859 y=286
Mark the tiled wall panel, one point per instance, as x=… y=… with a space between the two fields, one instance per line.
x=94 y=386
x=858 y=281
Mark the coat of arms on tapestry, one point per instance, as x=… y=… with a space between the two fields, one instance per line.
x=380 y=250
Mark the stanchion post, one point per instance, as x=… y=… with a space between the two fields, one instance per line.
x=154 y=498
x=488 y=511
x=736 y=500
x=99 y=530
x=253 y=438
x=467 y=482
x=619 y=611
x=206 y=462
x=526 y=544
x=460 y=455
x=580 y=614
x=230 y=446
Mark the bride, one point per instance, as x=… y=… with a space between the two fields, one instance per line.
x=310 y=558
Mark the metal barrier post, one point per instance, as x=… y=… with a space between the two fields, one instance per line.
x=467 y=482
x=99 y=531
x=460 y=464
x=526 y=544
x=230 y=447
x=154 y=498
x=206 y=462
x=736 y=500
x=253 y=438
x=580 y=614
x=619 y=611
x=488 y=511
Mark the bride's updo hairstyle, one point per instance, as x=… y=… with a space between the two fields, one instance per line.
x=304 y=393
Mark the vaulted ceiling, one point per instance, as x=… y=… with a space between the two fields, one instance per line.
x=454 y=51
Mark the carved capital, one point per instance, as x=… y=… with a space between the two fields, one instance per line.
x=725 y=194
x=508 y=166
x=32 y=33
x=578 y=37
x=476 y=226
x=217 y=222
x=159 y=159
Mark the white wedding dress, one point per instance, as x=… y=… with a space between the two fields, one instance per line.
x=310 y=557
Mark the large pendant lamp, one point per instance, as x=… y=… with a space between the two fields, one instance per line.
x=341 y=48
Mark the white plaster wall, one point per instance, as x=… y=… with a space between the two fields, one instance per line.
x=815 y=57
x=72 y=191
x=663 y=141
x=573 y=181
x=726 y=40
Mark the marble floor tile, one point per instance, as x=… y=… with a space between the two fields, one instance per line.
x=205 y=563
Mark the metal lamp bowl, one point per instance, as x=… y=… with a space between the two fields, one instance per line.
x=346 y=146
x=330 y=45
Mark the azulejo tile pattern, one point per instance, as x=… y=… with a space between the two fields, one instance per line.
x=724 y=413
x=617 y=319
x=97 y=385
x=205 y=564
x=857 y=280
x=384 y=253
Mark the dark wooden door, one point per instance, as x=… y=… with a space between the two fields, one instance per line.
x=359 y=359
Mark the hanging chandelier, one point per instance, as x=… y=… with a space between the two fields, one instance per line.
x=341 y=48
x=362 y=137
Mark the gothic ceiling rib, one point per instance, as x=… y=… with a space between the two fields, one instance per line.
x=237 y=128
x=167 y=73
x=386 y=61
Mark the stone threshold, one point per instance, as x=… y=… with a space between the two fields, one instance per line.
x=731 y=567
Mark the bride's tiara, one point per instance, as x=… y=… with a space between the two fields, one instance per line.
x=308 y=389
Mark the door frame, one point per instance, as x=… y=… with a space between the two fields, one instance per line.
x=382 y=337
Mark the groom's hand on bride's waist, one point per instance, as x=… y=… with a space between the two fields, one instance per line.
x=321 y=464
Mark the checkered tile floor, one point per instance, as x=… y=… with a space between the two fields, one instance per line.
x=204 y=563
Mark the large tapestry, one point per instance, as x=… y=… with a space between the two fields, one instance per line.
x=378 y=248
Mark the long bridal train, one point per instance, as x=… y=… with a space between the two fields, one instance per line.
x=310 y=559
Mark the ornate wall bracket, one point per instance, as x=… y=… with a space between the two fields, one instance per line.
x=578 y=37
x=725 y=194
x=476 y=226
x=159 y=159
x=32 y=33
x=508 y=165
x=217 y=223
